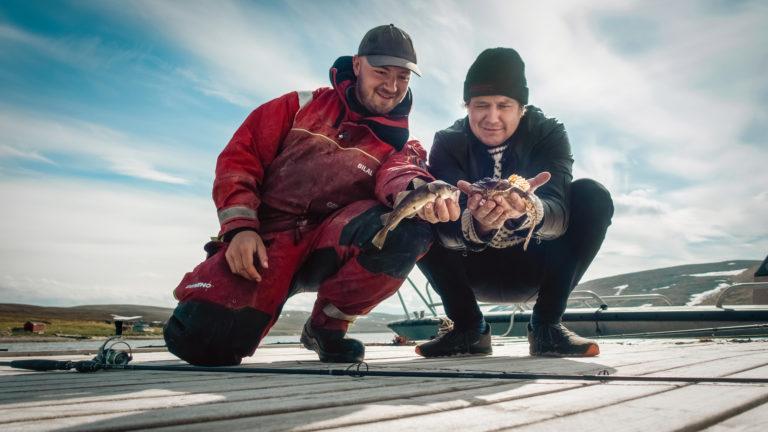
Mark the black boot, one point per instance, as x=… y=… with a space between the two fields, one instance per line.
x=331 y=345
x=554 y=340
x=458 y=342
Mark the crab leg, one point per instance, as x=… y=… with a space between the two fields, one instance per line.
x=521 y=186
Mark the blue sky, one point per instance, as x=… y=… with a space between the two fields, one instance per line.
x=112 y=115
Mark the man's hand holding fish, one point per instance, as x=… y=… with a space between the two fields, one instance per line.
x=413 y=202
x=441 y=210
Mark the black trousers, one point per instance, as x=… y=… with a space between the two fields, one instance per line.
x=548 y=271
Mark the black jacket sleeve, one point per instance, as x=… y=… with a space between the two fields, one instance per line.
x=550 y=151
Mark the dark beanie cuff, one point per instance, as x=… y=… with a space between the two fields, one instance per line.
x=515 y=92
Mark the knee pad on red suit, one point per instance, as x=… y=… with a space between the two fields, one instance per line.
x=403 y=247
x=212 y=281
x=207 y=334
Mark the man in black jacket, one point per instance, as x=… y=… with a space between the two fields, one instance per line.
x=481 y=255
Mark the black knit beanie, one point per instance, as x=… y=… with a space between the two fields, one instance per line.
x=497 y=71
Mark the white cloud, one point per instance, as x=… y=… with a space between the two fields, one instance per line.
x=140 y=169
x=10 y=152
x=78 y=52
x=32 y=136
x=76 y=242
x=248 y=53
x=639 y=201
x=657 y=94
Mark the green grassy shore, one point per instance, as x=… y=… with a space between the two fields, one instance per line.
x=96 y=321
x=11 y=328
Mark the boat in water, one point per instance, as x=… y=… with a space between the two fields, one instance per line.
x=592 y=315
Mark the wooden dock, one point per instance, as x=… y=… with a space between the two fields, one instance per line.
x=225 y=401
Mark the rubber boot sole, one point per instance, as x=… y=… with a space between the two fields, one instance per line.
x=592 y=351
x=311 y=344
x=471 y=352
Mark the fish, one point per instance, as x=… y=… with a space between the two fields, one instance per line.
x=408 y=203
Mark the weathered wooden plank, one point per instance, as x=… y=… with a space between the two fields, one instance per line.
x=481 y=363
x=754 y=420
x=236 y=403
x=112 y=385
x=689 y=408
x=498 y=414
x=38 y=383
x=535 y=409
x=60 y=424
x=406 y=408
x=594 y=408
x=207 y=410
x=231 y=389
x=362 y=416
x=111 y=381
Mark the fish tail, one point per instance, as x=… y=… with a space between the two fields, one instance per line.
x=380 y=237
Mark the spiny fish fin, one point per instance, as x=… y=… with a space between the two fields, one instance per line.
x=436 y=185
x=418 y=182
x=400 y=197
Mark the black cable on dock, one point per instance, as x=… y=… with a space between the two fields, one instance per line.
x=360 y=370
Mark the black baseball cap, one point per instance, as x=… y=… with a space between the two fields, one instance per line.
x=387 y=45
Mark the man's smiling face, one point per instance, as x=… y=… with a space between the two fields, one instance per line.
x=380 y=88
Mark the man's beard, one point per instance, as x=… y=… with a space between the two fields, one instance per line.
x=367 y=100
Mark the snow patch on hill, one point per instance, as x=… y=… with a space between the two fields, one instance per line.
x=700 y=297
x=719 y=273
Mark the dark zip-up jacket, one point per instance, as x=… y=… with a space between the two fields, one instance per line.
x=539 y=144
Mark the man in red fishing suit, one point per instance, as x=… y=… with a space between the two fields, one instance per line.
x=300 y=190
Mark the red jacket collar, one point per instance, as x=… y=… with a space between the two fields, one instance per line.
x=392 y=128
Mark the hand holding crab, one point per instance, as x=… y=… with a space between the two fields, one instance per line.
x=492 y=202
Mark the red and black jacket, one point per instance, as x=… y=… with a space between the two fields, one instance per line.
x=298 y=158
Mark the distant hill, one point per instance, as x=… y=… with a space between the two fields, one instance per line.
x=686 y=284
x=290 y=322
x=84 y=313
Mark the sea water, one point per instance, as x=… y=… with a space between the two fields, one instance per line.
x=367 y=338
